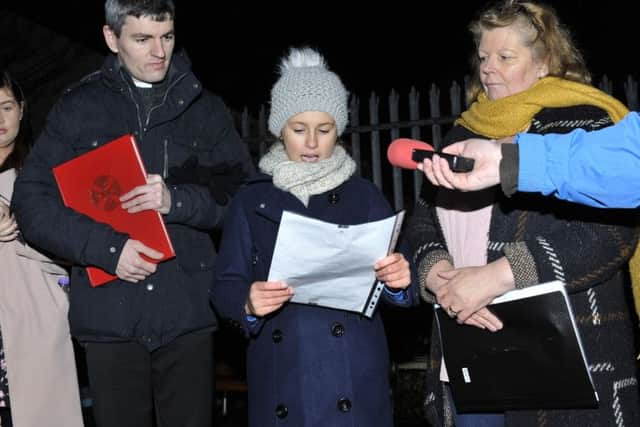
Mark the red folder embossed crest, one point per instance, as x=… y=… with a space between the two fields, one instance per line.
x=92 y=184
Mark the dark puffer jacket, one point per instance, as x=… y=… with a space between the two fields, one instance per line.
x=190 y=124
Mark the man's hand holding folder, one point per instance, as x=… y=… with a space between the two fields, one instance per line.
x=132 y=267
x=110 y=185
x=154 y=195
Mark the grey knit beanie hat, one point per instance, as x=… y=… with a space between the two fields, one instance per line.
x=306 y=84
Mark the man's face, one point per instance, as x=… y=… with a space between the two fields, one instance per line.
x=144 y=47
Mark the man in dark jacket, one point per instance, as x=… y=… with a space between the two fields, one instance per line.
x=148 y=335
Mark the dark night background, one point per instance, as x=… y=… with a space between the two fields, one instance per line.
x=235 y=46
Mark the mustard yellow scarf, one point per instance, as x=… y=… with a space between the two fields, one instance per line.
x=510 y=115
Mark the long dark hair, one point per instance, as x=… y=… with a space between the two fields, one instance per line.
x=24 y=138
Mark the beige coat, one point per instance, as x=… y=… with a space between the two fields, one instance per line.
x=43 y=385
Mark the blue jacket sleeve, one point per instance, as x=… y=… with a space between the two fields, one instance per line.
x=234 y=277
x=599 y=168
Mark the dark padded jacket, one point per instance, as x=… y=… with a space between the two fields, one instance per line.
x=188 y=125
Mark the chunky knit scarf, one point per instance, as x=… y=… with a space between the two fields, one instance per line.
x=508 y=116
x=512 y=114
x=307 y=179
x=505 y=117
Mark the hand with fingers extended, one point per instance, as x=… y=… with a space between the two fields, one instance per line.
x=393 y=270
x=154 y=195
x=132 y=267
x=484 y=319
x=486 y=171
x=470 y=289
x=435 y=283
x=8 y=224
x=267 y=297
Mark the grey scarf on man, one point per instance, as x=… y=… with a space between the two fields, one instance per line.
x=304 y=179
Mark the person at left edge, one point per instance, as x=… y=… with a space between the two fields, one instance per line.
x=148 y=335
x=36 y=352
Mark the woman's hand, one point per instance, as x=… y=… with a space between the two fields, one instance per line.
x=267 y=297
x=394 y=271
x=470 y=289
x=8 y=224
x=484 y=319
x=435 y=283
x=486 y=170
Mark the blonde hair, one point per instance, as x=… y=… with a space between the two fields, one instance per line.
x=541 y=31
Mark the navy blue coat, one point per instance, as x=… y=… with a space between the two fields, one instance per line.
x=307 y=365
x=190 y=122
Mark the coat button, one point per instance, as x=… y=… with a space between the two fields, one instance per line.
x=276 y=336
x=150 y=287
x=333 y=198
x=281 y=411
x=337 y=330
x=344 y=405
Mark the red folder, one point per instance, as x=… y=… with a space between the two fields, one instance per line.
x=92 y=184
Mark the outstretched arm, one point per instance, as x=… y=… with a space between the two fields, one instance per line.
x=485 y=173
x=598 y=168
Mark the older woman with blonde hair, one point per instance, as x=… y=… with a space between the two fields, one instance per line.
x=473 y=247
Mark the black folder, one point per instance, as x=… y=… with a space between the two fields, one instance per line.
x=535 y=362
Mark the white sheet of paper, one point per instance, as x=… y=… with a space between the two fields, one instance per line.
x=327 y=264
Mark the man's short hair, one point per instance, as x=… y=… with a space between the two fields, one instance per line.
x=116 y=11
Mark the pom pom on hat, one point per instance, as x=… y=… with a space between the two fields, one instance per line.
x=306 y=84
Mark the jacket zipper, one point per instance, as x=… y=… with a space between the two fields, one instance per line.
x=164 y=99
x=142 y=130
x=165 y=166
